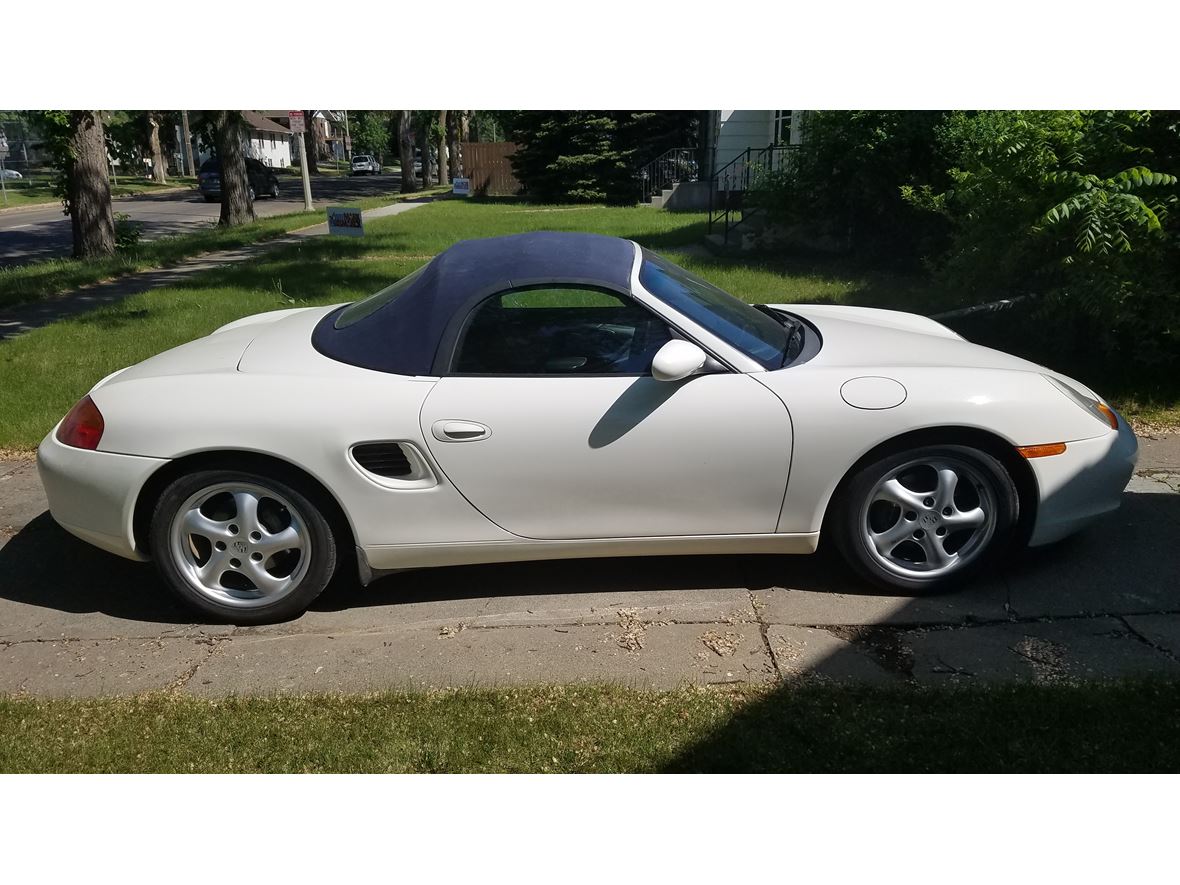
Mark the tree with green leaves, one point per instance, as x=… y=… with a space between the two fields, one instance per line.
x=77 y=143
x=592 y=156
x=370 y=131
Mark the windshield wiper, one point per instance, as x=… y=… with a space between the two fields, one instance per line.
x=795 y=332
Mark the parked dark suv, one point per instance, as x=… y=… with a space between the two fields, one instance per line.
x=262 y=180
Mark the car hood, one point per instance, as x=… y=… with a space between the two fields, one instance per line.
x=861 y=337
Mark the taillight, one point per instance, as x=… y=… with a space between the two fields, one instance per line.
x=82 y=427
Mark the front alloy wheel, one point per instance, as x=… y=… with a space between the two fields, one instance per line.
x=241 y=546
x=926 y=518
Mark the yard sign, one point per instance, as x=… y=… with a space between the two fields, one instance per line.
x=461 y=187
x=345 y=221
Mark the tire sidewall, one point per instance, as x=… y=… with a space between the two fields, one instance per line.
x=322 y=543
x=854 y=546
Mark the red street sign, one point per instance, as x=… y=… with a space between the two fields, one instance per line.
x=295 y=121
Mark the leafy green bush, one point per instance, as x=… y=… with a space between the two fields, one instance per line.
x=1071 y=206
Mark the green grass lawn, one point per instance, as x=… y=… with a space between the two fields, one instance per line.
x=1130 y=727
x=45 y=371
x=53 y=276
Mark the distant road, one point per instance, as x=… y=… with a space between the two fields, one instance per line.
x=29 y=234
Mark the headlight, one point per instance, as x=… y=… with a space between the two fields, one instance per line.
x=1097 y=408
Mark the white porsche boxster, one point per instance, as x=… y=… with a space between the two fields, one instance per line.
x=555 y=395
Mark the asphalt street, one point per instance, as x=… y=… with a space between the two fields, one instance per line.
x=75 y=621
x=44 y=232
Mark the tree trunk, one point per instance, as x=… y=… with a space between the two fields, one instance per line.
x=424 y=145
x=88 y=187
x=454 y=128
x=464 y=125
x=158 y=163
x=188 y=144
x=236 y=205
x=442 y=149
x=405 y=146
x=309 y=141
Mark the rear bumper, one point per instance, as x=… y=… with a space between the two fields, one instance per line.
x=92 y=495
x=1083 y=483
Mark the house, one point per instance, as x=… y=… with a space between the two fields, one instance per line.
x=332 y=126
x=729 y=134
x=267 y=141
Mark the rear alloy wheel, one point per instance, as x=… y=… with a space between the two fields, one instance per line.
x=926 y=519
x=242 y=547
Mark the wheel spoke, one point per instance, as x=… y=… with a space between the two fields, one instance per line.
x=895 y=493
x=263 y=580
x=197 y=523
x=247 y=505
x=210 y=573
x=887 y=540
x=936 y=554
x=287 y=539
x=966 y=519
x=944 y=492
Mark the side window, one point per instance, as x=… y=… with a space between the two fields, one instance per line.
x=558 y=331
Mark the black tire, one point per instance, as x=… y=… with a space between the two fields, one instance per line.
x=849 y=512
x=212 y=199
x=250 y=193
x=320 y=542
x=274 y=190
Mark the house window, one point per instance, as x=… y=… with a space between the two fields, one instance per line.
x=780 y=132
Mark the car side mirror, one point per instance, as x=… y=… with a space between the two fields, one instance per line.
x=677 y=360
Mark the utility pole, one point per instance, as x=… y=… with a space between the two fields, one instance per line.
x=307 y=204
x=188 y=144
x=347 y=140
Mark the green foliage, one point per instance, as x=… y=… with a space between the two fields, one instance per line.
x=373 y=132
x=127 y=231
x=1072 y=206
x=842 y=186
x=592 y=156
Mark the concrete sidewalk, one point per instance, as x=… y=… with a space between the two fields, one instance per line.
x=75 y=621
x=23 y=317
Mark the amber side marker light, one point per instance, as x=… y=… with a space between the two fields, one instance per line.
x=1108 y=413
x=82 y=428
x=1041 y=451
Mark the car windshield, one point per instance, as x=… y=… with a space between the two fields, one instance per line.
x=358 y=310
x=754 y=333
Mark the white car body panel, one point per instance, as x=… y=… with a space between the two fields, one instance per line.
x=603 y=457
x=744 y=460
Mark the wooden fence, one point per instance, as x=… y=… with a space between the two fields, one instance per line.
x=486 y=163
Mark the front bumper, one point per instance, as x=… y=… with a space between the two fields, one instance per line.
x=92 y=494
x=1083 y=483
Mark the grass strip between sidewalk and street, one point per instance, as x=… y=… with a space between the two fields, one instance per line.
x=53 y=276
x=1103 y=727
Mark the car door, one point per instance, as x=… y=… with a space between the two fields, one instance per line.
x=550 y=423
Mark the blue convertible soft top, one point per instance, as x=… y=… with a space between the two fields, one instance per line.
x=404 y=335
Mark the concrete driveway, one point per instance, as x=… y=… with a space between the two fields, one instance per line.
x=44 y=232
x=76 y=621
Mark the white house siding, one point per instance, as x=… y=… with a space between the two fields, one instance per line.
x=270 y=149
x=734 y=131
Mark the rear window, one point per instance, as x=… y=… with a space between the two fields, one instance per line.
x=211 y=165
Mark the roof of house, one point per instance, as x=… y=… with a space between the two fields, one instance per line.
x=262 y=123
x=410 y=333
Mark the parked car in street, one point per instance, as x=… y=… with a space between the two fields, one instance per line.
x=10 y=173
x=364 y=164
x=559 y=395
x=262 y=179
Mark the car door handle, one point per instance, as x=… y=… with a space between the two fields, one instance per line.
x=459 y=431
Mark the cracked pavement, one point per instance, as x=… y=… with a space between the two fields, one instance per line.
x=75 y=621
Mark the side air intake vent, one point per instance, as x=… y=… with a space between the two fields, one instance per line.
x=383 y=459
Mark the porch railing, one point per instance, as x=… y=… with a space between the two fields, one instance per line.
x=669 y=168
x=731 y=185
